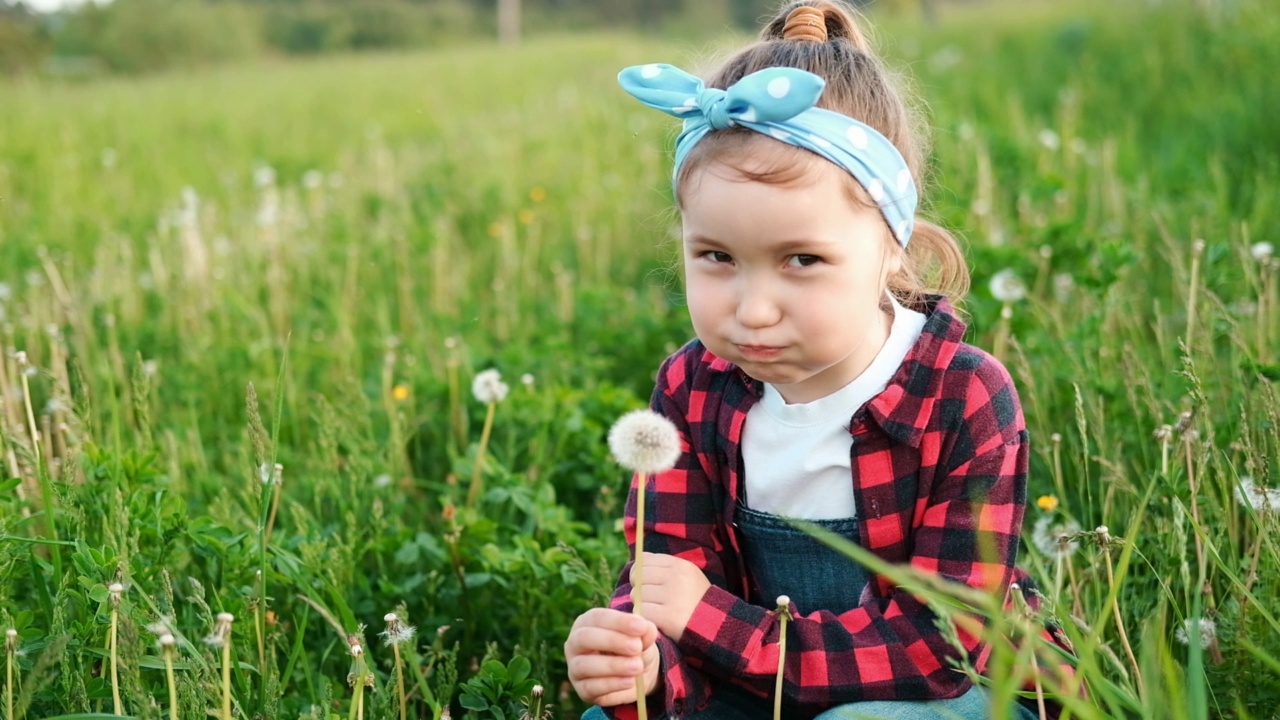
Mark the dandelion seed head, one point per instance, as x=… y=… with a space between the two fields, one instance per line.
x=1197 y=246
x=488 y=387
x=1055 y=438
x=1261 y=251
x=21 y=357
x=1051 y=538
x=526 y=380
x=1063 y=284
x=1049 y=139
x=645 y=442
x=451 y=343
x=271 y=474
x=1205 y=628
x=312 y=179
x=226 y=617
x=1007 y=287
x=536 y=691
x=167 y=641
x=1261 y=499
x=784 y=601
x=382 y=481
x=390 y=617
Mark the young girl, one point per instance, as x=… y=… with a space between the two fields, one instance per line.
x=827 y=382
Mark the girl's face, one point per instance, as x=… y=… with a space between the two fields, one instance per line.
x=786 y=281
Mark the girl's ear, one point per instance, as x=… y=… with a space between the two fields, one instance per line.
x=894 y=254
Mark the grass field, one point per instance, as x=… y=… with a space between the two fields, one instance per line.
x=306 y=264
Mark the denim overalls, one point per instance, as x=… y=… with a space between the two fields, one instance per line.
x=784 y=560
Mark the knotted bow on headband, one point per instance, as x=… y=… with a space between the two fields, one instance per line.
x=780 y=102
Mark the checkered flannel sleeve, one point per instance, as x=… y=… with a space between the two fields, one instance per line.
x=966 y=529
x=679 y=520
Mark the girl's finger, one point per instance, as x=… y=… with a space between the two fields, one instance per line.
x=607 y=692
x=595 y=667
x=595 y=640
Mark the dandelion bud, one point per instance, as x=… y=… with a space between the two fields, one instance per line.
x=488 y=387
x=645 y=442
x=356 y=651
x=445 y=714
x=536 y=691
x=10 y=640
x=116 y=590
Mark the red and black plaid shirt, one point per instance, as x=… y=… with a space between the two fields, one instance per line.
x=939 y=463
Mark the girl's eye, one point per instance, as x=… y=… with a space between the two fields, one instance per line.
x=716 y=256
x=803 y=260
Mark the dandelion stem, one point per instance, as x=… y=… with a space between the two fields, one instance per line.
x=637 y=586
x=1195 y=507
x=1124 y=637
x=473 y=493
x=226 y=678
x=115 y=675
x=400 y=681
x=784 y=614
x=173 y=687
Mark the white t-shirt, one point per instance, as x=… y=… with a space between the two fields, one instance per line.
x=797 y=457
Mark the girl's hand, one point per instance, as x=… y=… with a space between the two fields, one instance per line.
x=671 y=589
x=605 y=652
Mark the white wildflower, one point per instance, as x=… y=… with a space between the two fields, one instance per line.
x=645 y=442
x=1050 y=537
x=488 y=387
x=1007 y=287
x=1261 y=251
x=1261 y=499
x=1207 y=630
x=1049 y=139
x=397 y=632
x=382 y=481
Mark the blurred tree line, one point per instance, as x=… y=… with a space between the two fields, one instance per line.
x=131 y=36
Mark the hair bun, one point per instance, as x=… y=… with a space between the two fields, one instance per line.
x=807 y=24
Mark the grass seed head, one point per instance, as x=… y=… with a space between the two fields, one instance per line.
x=645 y=442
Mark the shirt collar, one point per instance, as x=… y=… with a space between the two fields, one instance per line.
x=903 y=408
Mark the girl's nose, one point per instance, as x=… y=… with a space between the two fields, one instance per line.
x=756 y=307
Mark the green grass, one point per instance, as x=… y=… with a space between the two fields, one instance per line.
x=516 y=202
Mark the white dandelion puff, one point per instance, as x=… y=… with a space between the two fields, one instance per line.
x=271 y=474
x=488 y=387
x=1261 y=499
x=382 y=481
x=645 y=442
x=1049 y=139
x=221 y=630
x=526 y=380
x=397 y=631
x=312 y=179
x=1261 y=251
x=1007 y=287
x=1051 y=538
x=1206 y=629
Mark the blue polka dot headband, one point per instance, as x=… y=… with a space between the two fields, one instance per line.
x=780 y=102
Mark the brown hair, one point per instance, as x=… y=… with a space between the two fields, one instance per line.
x=822 y=37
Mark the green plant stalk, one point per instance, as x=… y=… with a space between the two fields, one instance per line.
x=173 y=687
x=1195 y=512
x=115 y=674
x=400 y=682
x=357 y=701
x=1191 y=295
x=1124 y=637
x=46 y=486
x=473 y=493
x=455 y=403
x=8 y=682
x=636 y=589
x=226 y=679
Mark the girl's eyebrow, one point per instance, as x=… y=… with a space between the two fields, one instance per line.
x=800 y=244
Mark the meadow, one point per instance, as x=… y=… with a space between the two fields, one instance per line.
x=242 y=310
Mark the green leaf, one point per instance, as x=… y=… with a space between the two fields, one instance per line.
x=519 y=669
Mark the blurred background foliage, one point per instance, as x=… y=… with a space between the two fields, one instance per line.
x=131 y=36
